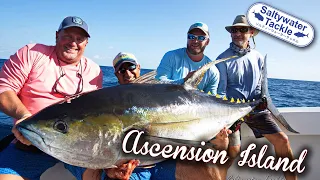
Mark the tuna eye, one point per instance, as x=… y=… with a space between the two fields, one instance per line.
x=61 y=126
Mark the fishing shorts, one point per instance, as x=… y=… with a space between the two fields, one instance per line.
x=262 y=123
x=163 y=170
x=23 y=163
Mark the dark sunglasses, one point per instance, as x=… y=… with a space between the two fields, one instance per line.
x=129 y=68
x=242 y=30
x=199 y=38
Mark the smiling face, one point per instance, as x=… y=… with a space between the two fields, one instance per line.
x=127 y=73
x=70 y=44
x=240 y=36
x=195 y=46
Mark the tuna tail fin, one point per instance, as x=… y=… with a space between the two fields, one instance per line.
x=196 y=78
x=266 y=97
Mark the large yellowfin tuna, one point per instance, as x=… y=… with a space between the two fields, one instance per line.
x=88 y=130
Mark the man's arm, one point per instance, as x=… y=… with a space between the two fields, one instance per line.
x=261 y=65
x=13 y=75
x=212 y=86
x=11 y=105
x=100 y=79
x=222 y=87
x=165 y=69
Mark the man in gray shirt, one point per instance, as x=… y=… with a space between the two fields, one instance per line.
x=240 y=78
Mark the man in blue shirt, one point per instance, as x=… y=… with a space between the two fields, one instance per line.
x=178 y=65
x=240 y=78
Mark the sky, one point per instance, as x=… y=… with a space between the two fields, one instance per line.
x=150 y=28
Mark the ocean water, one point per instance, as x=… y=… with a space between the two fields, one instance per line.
x=284 y=93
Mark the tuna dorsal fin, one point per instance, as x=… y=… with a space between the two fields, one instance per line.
x=196 y=78
x=147 y=78
x=193 y=81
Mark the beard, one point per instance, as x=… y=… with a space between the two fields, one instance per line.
x=241 y=44
x=195 y=51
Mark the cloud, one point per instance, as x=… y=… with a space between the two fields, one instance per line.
x=4 y=49
x=110 y=47
x=102 y=57
x=96 y=57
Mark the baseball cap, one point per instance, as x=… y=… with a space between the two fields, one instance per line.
x=74 y=21
x=123 y=57
x=200 y=25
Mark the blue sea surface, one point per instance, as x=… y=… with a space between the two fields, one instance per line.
x=284 y=93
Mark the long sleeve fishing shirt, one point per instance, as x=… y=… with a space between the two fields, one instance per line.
x=176 y=64
x=240 y=77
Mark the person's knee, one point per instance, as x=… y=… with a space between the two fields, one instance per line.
x=281 y=140
x=284 y=140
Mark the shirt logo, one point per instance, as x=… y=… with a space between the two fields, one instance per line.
x=77 y=20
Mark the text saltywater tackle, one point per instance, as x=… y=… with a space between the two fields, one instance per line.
x=284 y=22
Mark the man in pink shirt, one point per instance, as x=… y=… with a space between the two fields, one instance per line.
x=37 y=76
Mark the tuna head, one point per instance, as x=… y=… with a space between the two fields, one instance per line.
x=86 y=140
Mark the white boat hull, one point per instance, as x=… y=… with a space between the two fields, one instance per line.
x=305 y=120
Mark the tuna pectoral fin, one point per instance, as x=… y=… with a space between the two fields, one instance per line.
x=265 y=94
x=196 y=78
x=278 y=116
